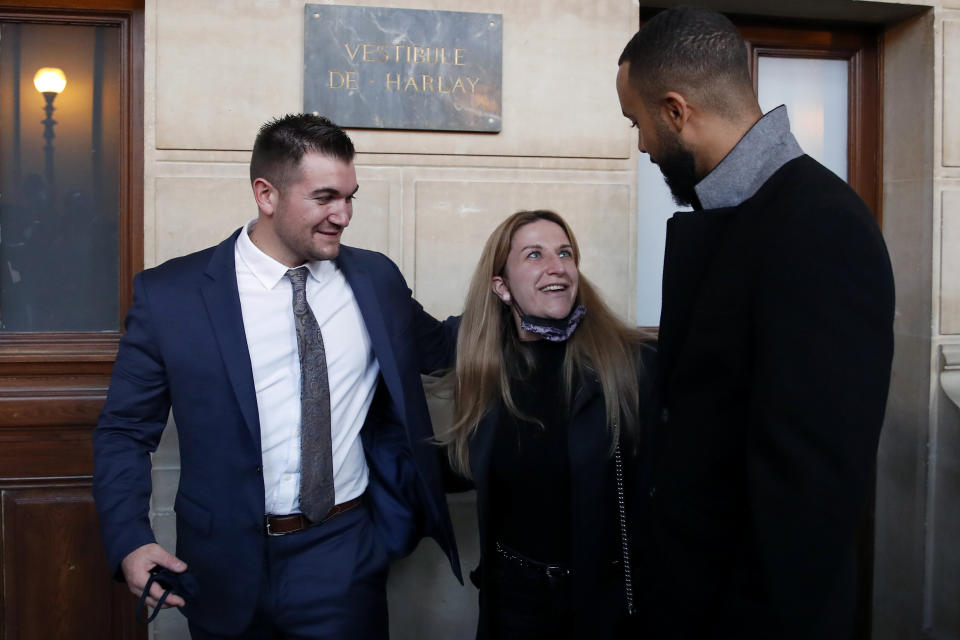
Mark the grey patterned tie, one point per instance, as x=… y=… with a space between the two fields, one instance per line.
x=316 y=453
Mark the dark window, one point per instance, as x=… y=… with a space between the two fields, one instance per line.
x=60 y=129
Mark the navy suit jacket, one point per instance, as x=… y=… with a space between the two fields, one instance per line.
x=185 y=347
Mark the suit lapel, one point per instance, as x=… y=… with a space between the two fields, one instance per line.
x=367 y=299
x=222 y=299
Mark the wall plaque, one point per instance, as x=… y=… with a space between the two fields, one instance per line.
x=379 y=68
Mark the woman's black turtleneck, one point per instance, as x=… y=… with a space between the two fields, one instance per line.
x=529 y=465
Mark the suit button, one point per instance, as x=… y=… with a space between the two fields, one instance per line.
x=259 y=469
x=665 y=415
x=653 y=492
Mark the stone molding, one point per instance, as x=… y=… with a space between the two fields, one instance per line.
x=950 y=376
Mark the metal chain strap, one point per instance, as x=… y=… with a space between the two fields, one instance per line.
x=624 y=542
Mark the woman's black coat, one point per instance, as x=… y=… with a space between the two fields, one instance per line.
x=597 y=585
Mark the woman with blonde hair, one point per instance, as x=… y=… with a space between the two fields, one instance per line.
x=550 y=392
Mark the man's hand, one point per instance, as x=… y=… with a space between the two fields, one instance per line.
x=136 y=569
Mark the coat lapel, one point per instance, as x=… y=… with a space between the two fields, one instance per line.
x=481 y=447
x=692 y=241
x=222 y=299
x=368 y=301
x=586 y=389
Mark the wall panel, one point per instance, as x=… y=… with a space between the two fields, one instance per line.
x=454 y=220
x=950 y=263
x=951 y=93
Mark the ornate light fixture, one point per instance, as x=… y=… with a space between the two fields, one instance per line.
x=50 y=82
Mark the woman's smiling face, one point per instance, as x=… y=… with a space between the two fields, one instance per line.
x=541 y=274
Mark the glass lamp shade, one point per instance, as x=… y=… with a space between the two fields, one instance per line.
x=49 y=79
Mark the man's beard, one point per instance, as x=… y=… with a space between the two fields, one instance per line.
x=679 y=172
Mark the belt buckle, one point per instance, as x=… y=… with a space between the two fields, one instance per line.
x=554 y=572
x=270 y=532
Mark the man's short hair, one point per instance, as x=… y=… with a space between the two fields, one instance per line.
x=282 y=143
x=696 y=52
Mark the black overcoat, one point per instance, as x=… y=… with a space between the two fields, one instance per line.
x=775 y=345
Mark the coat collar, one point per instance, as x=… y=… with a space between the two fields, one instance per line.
x=766 y=147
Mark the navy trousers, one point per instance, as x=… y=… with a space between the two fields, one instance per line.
x=327 y=582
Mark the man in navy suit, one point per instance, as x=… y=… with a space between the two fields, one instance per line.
x=213 y=336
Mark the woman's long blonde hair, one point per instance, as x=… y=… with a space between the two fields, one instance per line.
x=488 y=349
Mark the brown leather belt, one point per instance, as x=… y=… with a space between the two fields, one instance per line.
x=282 y=525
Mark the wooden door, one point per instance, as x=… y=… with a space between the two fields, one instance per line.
x=71 y=238
x=857 y=48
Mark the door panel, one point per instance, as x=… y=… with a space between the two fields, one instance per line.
x=815 y=93
x=53 y=566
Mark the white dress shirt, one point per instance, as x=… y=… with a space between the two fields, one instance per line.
x=266 y=297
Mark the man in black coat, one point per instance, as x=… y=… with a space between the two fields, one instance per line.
x=775 y=348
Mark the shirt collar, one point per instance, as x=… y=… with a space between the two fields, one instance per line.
x=766 y=147
x=267 y=270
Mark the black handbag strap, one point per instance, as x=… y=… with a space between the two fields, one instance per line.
x=624 y=539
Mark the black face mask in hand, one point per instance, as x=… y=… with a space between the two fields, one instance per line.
x=183 y=584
